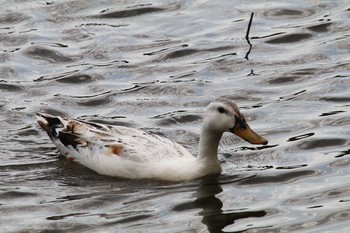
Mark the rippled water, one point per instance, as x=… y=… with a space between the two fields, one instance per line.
x=155 y=66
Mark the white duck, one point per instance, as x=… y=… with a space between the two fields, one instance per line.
x=131 y=153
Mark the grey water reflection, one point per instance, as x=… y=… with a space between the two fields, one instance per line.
x=213 y=216
x=211 y=207
x=217 y=218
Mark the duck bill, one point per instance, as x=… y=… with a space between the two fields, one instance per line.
x=243 y=131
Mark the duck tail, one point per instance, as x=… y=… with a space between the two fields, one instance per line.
x=49 y=123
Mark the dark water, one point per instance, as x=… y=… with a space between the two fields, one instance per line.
x=155 y=65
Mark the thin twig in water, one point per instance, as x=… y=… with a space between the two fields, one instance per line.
x=247 y=36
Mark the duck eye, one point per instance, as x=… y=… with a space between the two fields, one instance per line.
x=221 y=109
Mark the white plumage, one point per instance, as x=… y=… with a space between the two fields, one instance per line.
x=131 y=153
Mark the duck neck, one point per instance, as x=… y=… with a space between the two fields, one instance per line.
x=208 y=146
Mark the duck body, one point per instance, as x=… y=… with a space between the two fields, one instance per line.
x=131 y=153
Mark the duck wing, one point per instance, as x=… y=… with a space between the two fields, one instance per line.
x=87 y=141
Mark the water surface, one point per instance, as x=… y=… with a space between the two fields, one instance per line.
x=155 y=66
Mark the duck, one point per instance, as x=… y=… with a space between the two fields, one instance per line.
x=130 y=153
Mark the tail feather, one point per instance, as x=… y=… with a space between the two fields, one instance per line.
x=65 y=134
x=49 y=123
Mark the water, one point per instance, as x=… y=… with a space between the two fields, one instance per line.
x=155 y=66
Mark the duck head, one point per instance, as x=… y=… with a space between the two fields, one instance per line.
x=222 y=115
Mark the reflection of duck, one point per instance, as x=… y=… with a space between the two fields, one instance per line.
x=213 y=216
x=130 y=153
x=210 y=207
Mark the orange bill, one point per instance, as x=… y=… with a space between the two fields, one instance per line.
x=243 y=130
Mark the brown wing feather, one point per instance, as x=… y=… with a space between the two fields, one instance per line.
x=72 y=139
x=104 y=140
